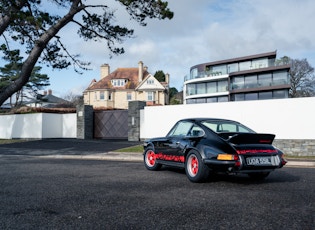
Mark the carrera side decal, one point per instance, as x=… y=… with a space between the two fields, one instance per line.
x=161 y=156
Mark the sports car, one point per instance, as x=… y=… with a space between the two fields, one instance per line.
x=205 y=145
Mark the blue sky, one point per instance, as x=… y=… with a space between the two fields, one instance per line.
x=201 y=31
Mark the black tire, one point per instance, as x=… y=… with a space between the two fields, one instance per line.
x=258 y=176
x=196 y=170
x=150 y=161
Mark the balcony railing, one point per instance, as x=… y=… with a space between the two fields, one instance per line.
x=203 y=74
x=234 y=86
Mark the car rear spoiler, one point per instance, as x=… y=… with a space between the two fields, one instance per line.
x=248 y=138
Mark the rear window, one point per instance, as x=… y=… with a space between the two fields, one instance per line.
x=227 y=127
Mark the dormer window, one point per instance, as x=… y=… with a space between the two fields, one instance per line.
x=119 y=82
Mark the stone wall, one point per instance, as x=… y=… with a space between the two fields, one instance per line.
x=134 y=108
x=85 y=122
x=296 y=147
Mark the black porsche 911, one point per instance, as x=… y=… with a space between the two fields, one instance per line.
x=205 y=145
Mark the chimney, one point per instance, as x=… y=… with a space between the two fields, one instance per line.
x=105 y=70
x=45 y=93
x=167 y=78
x=49 y=92
x=140 y=76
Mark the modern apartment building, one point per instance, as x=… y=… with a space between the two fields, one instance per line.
x=255 y=77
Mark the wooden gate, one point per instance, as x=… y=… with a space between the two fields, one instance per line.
x=111 y=124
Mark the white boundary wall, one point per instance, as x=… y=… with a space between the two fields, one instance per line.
x=292 y=118
x=38 y=125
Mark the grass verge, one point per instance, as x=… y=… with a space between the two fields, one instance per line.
x=10 y=141
x=132 y=149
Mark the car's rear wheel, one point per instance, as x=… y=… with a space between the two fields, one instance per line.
x=196 y=170
x=149 y=158
x=258 y=176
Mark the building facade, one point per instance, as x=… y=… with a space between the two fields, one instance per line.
x=255 y=77
x=115 y=90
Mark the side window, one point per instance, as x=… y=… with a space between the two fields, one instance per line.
x=227 y=128
x=181 y=129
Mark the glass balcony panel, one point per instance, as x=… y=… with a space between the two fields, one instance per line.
x=191 y=89
x=211 y=87
x=246 y=65
x=232 y=67
x=251 y=81
x=280 y=78
x=222 y=86
x=201 y=88
x=260 y=63
x=218 y=69
x=264 y=80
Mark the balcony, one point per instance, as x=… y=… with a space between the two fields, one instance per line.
x=237 y=86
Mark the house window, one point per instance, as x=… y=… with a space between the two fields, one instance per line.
x=265 y=95
x=129 y=96
x=102 y=96
x=119 y=82
x=109 y=96
x=150 y=82
x=150 y=96
x=280 y=94
x=251 y=96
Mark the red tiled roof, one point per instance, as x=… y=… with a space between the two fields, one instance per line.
x=131 y=74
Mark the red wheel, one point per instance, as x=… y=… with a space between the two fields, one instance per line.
x=150 y=160
x=196 y=170
x=192 y=165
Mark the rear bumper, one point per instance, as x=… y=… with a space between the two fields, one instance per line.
x=233 y=166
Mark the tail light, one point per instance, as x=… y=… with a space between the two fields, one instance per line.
x=237 y=161
x=283 y=161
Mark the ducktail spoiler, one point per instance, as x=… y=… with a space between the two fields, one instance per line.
x=249 y=138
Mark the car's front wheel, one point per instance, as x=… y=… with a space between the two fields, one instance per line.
x=196 y=170
x=149 y=159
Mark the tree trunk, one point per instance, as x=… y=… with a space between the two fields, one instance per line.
x=35 y=53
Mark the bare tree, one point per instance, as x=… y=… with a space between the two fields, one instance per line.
x=25 y=22
x=302 y=79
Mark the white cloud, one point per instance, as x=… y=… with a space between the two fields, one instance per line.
x=201 y=31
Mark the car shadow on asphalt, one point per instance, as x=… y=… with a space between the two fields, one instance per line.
x=276 y=176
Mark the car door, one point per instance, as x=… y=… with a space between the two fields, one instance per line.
x=177 y=141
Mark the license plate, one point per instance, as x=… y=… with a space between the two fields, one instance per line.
x=258 y=161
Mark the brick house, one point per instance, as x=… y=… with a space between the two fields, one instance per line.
x=114 y=90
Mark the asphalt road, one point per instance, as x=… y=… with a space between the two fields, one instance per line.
x=37 y=193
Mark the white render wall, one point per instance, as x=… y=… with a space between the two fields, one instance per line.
x=38 y=125
x=292 y=118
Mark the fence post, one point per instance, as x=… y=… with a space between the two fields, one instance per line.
x=134 y=108
x=85 y=122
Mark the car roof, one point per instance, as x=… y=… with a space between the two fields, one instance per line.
x=199 y=119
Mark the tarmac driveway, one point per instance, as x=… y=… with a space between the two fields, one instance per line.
x=64 y=147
